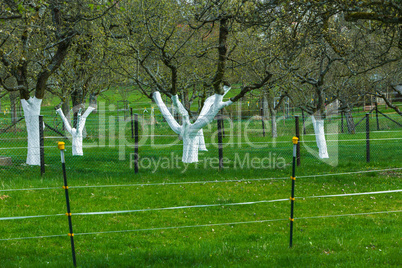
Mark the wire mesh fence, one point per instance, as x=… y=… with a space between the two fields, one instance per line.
x=250 y=141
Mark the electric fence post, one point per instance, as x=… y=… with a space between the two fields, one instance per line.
x=292 y=198
x=220 y=142
x=65 y=187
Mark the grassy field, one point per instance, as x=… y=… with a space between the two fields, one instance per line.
x=223 y=233
x=178 y=215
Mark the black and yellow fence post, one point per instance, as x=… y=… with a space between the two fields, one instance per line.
x=220 y=142
x=292 y=198
x=65 y=187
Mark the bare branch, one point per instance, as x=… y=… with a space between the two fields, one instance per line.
x=247 y=89
x=355 y=16
x=13 y=17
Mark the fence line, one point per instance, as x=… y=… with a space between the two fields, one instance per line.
x=237 y=223
x=229 y=143
x=203 y=182
x=234 y=135
x=198 y=206
x=204 y=225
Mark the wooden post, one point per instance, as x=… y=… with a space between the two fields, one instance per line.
x=136 y=157
x=42 y=146
x=222 y=124
x=304 y=123
x=132 y=123
x=367 y=137
x=342 y=113
x=376 y=115
x=220 y=149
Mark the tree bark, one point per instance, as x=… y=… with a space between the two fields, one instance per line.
x=13 y=106
x=350 y=122
x=65 y=107
x=273 y=124
x=76 y=133
x=191 y=134
x=222 y=56
x=32 y=108
x=319 y=131
x=77 y=100
x=93 y=98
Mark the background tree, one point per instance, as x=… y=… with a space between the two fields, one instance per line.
x=36 y=38
x=184 y=45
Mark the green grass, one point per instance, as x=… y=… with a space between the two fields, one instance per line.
x=255 y=235
x=335 y=241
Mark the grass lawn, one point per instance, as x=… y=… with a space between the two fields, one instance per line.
x=180 y=215
x=222 y=233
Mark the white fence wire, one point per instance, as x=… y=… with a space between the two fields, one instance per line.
x=204 y=225
x=198 y=206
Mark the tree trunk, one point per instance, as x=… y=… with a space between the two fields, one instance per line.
x=31 y=109
x=192 y=134
x=193 y=141
x=66 y=111
x=14 y=96
x=93 y=98
x=272 y=112
x=76 y=133
x=319 y=131
x=274 y=127
x=350 y=122
x=201 y=99
x=77 y=100
x=265 y=107
x=191 y=145
x=185 y=99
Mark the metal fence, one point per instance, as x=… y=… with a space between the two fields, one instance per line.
x=247 y=144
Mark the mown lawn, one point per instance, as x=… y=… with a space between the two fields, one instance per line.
x=217 y=226
x=178 y=215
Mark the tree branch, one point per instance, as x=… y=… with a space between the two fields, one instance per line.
x=247 y=89
x=355 y=16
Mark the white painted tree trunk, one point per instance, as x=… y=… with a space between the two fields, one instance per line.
x=31 y=109
x=76 y=133
x=192 y=134
x=191 y=145
x=320 y=137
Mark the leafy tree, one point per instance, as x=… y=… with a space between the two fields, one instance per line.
x=36 y=38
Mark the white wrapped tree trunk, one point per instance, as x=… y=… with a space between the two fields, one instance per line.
x=76 y=133
x=320 y=137
x=31 y=109
x=192 y=134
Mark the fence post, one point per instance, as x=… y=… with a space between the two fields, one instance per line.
x=132 y=123
x=136 y=157
x=298 y=137
x=342 y=121
x=220 y=149
x=65 y=187
x=367 y=137
x=292 y=198
x=222 y=124
x=41 y=146
x=376 y=115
